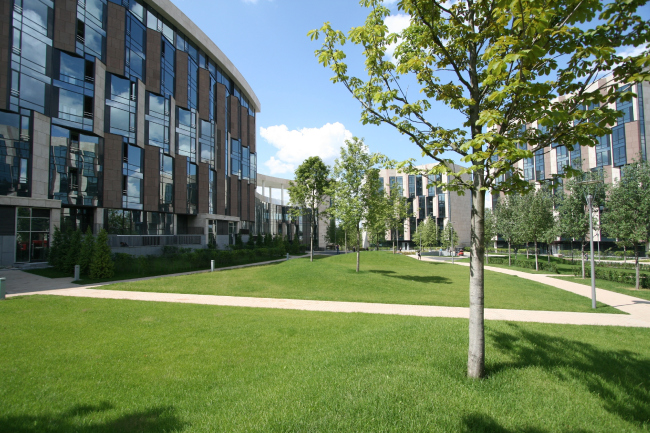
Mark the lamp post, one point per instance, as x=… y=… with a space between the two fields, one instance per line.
x=590 y=203
x=590 y=199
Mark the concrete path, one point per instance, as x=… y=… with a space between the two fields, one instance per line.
x=23 y=283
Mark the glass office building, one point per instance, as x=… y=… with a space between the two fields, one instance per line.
x=113 y=115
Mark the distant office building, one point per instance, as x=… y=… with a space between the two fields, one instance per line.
x=272 y=215
x=428 y=201
x=123 y=115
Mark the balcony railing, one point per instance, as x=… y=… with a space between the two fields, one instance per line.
x=115 y=241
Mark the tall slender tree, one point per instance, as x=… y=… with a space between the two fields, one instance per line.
x=501 y=65
x=308 y=192
x=398 y=210
x=627 y=212
x=573 y=211
x=354 y=189
x=536 y=218
x=506 y=220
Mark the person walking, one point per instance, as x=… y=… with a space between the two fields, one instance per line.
x=419 y=256
x=337 y=248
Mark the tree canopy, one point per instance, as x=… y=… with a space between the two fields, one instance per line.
x=503 y=66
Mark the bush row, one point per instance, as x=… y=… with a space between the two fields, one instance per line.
x=613 y=265
x=175 y=260
x=528 y=264
x=613 y=274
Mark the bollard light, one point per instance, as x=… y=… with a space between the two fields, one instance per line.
x=3 y=290
x=77 y=272
x=211 y=265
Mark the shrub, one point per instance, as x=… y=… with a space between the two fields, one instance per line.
x=73 y=252
x=87 y=252
x=57 y=249
x=101 y=265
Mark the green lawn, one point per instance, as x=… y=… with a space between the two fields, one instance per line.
x=91 y=365
x=614 y=286
x=384 y=278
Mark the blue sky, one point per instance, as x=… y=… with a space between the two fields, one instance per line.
x=303 y=112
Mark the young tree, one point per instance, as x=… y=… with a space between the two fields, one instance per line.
x=87 y=251
x=627 y=212
x=573 y=211
x=308 y=192
x=506 y=220
x=72 y=255
x=353 y=192
x=102 y=265
x=449 y=236
x=431 y=235
x=490 y=233
x=57 y=249
x=497 y=64
x=375 y=222
x=536 y=218
x=398 y=210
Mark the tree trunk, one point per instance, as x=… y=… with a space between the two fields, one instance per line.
x=346 y=241
x=536 y=258
x=311 y=255
x=358 y=246
x=624 y=255
x=509 y=259
x=476 y=352
x=582 y=258
x=636 y=264
x=527 y=256
x=487 y=256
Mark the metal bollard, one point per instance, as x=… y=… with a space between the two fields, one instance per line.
x=287 y=256
x=211 y=265
x=3 y=291
x=77 y=272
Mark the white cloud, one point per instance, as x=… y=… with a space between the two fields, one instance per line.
x=631 y=51
x=294 y=146
x=390 y=2
x=396 y=24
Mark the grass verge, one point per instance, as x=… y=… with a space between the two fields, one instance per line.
x=92 y=365
x=384 y=278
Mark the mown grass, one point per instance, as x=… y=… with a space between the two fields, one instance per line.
x=384 y=278
x=91 y=365
x=614 y=286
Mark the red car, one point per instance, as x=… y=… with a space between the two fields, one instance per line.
x=461 y=252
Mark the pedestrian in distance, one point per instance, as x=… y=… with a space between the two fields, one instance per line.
x=419 y=256
x=337 y=248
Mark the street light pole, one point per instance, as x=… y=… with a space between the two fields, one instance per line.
x=453 y=252
x=590 y=199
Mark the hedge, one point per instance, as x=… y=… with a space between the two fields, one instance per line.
x=528 y=264
x=613 y=274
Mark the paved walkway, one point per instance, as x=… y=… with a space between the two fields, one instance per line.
x=23 y=283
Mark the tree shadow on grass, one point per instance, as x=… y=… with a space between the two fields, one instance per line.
x=480 y=423
x=618 y=377
x=427 y=279
x=152 y=420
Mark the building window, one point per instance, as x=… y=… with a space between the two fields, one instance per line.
x=235 y=157
x=192 y=189
x=125 y=222
x=206 y=140
x=15 y=155
x=186 y=133
x=121 y=107
x=441 y=206
x=166 y=203
x=396 y=182
x=603 y=151
x=32 y=48
x=157 y=121
x=626 y=107
x=539 y=165
x=562 y=156
x=418 y=185
x=91 y=25
x=212 y=203
x=576 y=157
x=411 y=186
x=167 y=74
x=75 y=167
x=136 y=36
x=618 y=145
x=32 y=234
x=132 y=177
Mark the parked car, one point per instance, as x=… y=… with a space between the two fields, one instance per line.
x=461 y=252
